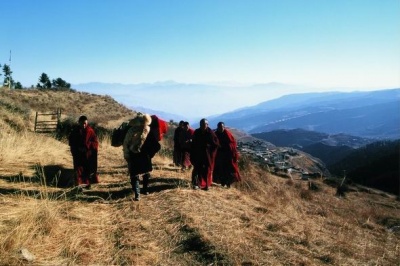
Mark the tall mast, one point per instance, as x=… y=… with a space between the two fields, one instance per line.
x=9 y=78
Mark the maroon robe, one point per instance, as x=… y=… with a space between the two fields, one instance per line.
x=177 y=154
x=159 y=127
x=84 y=146
x=202 y=156
x=185 y=143
x=226 y=162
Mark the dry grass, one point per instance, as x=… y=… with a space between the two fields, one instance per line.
x=55 y=232
x=102 y=110
x=264 y=220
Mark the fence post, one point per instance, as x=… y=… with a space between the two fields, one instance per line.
x=35 y=121
x=58 y=116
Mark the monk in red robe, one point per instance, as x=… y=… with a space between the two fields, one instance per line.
x=185 y=143
x=160 y=127
x=84 y=146
x=177 y=154
x=202 y=155
x=140 y=160
x=226 y=170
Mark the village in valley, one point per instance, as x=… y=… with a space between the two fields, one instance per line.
x=283 y=161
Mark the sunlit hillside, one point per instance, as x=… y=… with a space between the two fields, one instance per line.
x=264 y=220
x=18 y=107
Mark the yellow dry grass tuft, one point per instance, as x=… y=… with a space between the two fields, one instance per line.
x=55 y=232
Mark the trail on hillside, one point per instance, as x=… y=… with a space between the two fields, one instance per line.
x=156 y=230
x=267 y=220
x=175 y=225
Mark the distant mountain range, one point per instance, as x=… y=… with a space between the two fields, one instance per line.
x=374 y=114
x=355 y=132
x=257 y=108
x=161 y=114
x=190 y=101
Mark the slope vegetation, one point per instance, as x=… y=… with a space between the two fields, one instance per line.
x=18 y=107
x=264 y=220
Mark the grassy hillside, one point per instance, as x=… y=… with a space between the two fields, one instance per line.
x=375 y=165
x=264 y=220
x=18 y=107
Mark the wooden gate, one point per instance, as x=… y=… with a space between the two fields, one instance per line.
x=47 y=122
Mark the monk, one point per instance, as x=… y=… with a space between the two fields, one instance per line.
x=84 y=147
x=226 y=169
x=177 y=154
x=202 y=155
x=160 y=127
x=185 y=143
x=140 y=159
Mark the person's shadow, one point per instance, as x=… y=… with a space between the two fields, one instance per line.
x=56 y=176
x=158 y=184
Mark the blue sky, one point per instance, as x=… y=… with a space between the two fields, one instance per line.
x=323 y=43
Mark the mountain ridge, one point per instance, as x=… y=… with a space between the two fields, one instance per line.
x=279 y=111
x=188 y=98
x=363 y=114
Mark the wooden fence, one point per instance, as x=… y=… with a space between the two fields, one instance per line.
x=47 y=122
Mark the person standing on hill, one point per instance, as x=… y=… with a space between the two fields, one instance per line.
x=139 y=147
x=84 y=147
x=226 y=169
x=177 y=153
x=185 y=143
x=202 y=155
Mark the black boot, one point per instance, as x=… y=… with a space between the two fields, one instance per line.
x=136 y=187
x=229 y=181
x=146 y=178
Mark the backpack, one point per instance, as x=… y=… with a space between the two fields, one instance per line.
x=118 y=134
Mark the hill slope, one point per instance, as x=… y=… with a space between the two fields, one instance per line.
x=375 y=165
x=264 y=220
x=252 y=224
x=18 y=107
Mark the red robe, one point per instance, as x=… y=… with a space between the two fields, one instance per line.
x=185 y=143
x=84 y=146
x=202 y=155
x=177 y=154
x=226 y=162
x=159 y=127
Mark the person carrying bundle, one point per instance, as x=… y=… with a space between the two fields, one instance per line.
x=140 y=145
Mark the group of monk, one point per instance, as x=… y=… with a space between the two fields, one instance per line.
x=211 y=154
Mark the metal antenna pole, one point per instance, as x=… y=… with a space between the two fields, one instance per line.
x=9 y=78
